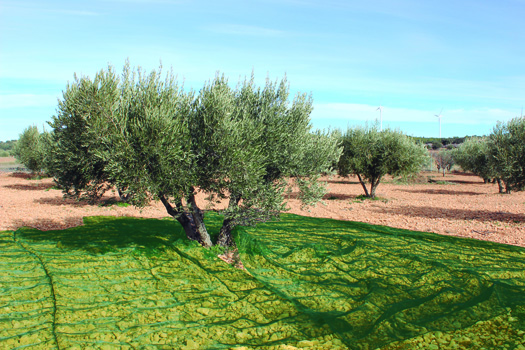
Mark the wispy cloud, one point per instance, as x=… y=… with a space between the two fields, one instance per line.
x=239 y=29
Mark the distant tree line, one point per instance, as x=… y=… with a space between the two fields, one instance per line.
x=437 y=143
x=6 y=148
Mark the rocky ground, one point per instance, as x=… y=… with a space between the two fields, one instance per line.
x=458 y=204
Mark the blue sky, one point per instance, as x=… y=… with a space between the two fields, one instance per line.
x=413 y=57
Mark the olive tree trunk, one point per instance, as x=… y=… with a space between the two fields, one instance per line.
x=192 y=223
x=225 y=238
x=363 y=184
x=373 y=187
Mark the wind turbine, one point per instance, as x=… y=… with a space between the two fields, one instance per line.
x=439 y=117
x=380 y=109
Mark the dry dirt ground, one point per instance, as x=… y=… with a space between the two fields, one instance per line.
x=463 y=206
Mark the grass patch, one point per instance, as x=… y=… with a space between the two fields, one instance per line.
x=443 y=182
x=113 y=202
x=312 y=283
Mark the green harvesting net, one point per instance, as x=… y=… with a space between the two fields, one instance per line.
x=127 y=283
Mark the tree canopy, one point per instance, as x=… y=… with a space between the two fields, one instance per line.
x=500 y=156
x=507 y=153
x=473 y=155
x=30 y=149
x=146 y=135
x=371 y=154
x=444 y=160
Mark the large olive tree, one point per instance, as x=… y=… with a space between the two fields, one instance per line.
x=158 y=141
x=371 y=154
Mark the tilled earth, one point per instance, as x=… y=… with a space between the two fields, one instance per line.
x=458 y=204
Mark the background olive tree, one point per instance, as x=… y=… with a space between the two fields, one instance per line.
x=73 y=161
x=31 y=149
x=6 y=148
x=473 y=156
x=444 y=160
x=507 y=153
x=371 y=154
x=145 y=134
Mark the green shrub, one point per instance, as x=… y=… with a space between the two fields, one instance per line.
x=30 y=150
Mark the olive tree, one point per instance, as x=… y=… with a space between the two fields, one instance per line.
x=507 y=153
x=73 y=160
x=371 y=154
x=473 y=155
x=444 y=160
x=245 y=145
x=30 y=150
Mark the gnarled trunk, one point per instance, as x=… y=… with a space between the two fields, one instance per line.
x=198 y=220
x=225 y=238
x=192 y=223
x=182 y=217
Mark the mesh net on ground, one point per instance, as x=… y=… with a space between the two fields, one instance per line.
x=311 y=283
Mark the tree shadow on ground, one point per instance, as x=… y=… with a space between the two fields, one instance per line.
x=338 y=196
x=49 y=224
x=461 y=214
x=60 y=201
x=30 y=187
x=443 y=191
x=342 y=181
x=328 y=196
x=21 y=175
x=464 y=182
x=103 y=234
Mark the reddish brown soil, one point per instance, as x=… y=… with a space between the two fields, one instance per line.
x=465 y=207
